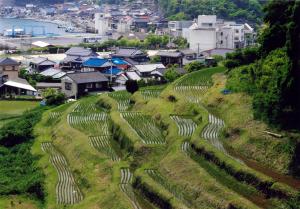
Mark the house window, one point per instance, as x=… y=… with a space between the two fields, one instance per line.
x=236 y=31
x=13 y=68
x=98 y=85
x=68 y=86
x=89 y=85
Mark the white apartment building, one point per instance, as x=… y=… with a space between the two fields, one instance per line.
x=176 y=27
x=209 y=33
x=102 y=23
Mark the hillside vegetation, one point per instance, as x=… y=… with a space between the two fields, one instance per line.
x=239 y=10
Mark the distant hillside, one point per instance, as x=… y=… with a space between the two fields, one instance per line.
x=240 y=10
x=45 y=2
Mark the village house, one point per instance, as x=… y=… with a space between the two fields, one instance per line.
x=16 y=87
x=81 y=83
x=76 y=56
x=171 y=58
x=131 y=55
x=40 y=64
x=145 y=71
x=9 y=69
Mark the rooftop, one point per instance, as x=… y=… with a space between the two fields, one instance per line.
x=8 y=61
x=87 y=77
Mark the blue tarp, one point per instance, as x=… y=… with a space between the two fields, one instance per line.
x=114 y=71
x=118 y=61
x=94 y=62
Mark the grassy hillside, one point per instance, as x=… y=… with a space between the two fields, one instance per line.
x=10 y=110
x=161 y=148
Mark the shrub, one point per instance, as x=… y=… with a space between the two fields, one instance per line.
x=132 y=86
x=172 y=98
x=53 y=97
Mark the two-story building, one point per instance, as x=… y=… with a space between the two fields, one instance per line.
x=9 y=69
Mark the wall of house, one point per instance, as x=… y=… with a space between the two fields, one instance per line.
x=73 y=91
x=11 y=71
x=202 y=39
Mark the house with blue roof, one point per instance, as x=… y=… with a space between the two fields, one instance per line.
x=121 y=64
x=96 y=64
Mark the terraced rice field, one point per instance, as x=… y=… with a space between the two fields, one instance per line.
x=67 y=191
x=145 y=127
x=195 y=84
x=125 y=186
x=212 y=130
x=54 y=117
x=123 y=99
x=85 y=108
x=103 y=144
x=186 y=126
x=150 y=93
x=185 y=147
x=175 y=190
x=97 y=123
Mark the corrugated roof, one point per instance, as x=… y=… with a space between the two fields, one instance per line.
x=21 y=84
x=87 y=77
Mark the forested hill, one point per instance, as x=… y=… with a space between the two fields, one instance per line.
x=240 y=10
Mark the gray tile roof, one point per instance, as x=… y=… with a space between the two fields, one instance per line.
x=8 y=61
x=87 y=77
x=128 y=52
x=169 y=54
x=80 y=51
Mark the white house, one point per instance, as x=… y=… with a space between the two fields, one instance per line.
x=209 y=33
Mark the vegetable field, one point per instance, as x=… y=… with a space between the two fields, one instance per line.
x=125 y=186
x=123 y=99
x=173 y=189
x=67 y=191
x=212 y=130
x=145 y=127
x=150 y=93
x=186 y=126
x=103 y=144
x=87 y=118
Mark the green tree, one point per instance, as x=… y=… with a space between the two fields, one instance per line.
x=171 y=73
x=194 y=66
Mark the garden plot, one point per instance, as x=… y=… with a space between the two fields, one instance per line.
x=122 y=98
x=186 y=127
x=212 y=130
x=67 y=191
x=96 y=123
x=173 y=189
x=103 y=144
x=150 y=93
x=145 y=127
x=126 y=187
